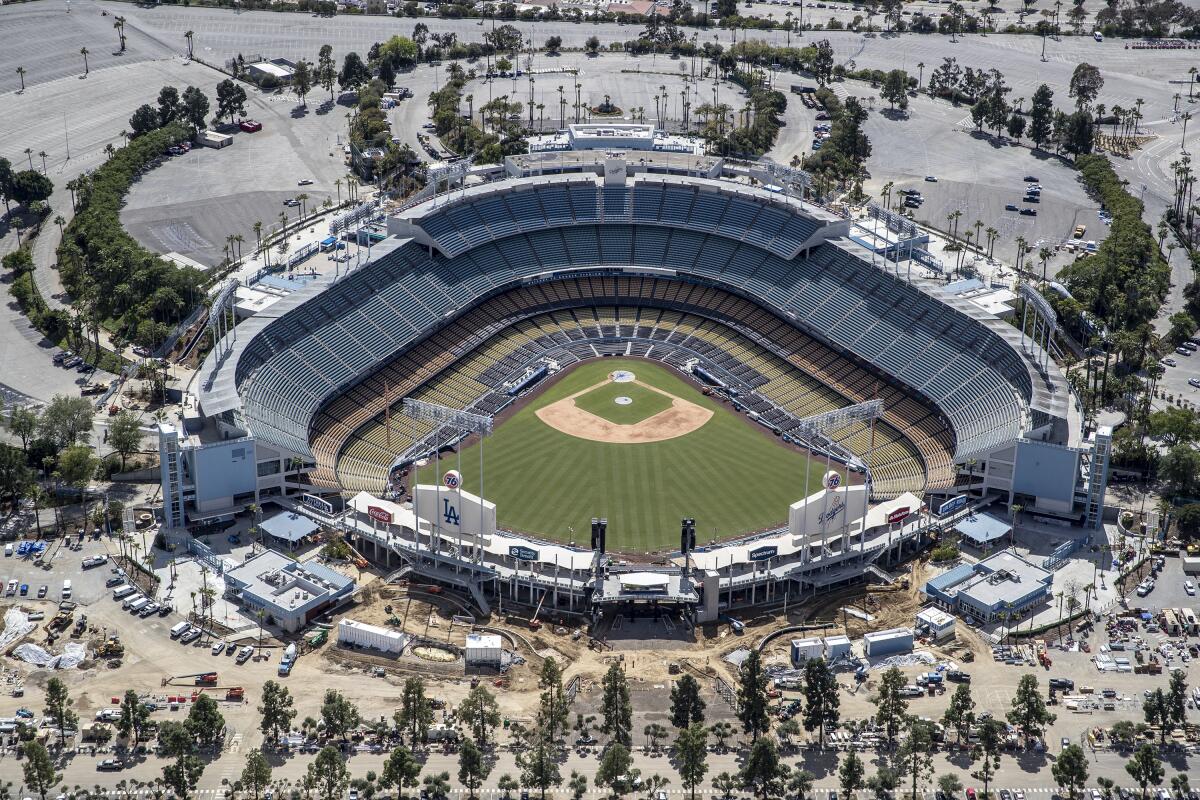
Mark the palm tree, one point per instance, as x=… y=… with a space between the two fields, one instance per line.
x=29 y=155
x=920 y=74
x=303 y=198
x=42 y=156
x=338 y=185
x=59 y=221
x=21 y=75
x=239 y=240
x=83 y=51
x=119 y=24
x=1044 y=254
x=188 y=36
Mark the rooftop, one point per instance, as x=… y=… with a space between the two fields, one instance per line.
x=289 y=526
x=983 y=528
x=275 y=578
x=1004 y=578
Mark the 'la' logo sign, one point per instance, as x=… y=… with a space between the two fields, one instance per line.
x=449 y=512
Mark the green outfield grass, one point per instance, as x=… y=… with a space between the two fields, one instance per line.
x=727 y=475
x=602 y=401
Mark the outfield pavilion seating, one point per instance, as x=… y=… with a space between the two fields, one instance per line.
x=781 y=372
x=340 y=333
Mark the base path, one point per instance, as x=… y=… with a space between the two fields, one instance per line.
x=680 y=419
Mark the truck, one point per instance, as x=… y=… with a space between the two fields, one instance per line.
x=289 y=659
x=207 y=679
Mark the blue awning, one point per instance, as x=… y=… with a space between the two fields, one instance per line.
x=983 y=528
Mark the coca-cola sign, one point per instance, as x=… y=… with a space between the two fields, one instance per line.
x=381 y=514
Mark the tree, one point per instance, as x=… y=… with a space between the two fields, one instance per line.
x=134 y=720
x=1016 y=126
x=256 y=775
x=553 y=44
x=1041 y=115
x=65 y=420
x=763 y=769
x=891 y=710
x=23 y=422
x=339 y=714
x=401 y=770
x=883 y=782
x=687 y=707
x=822 y=62
x=721 y=731
x=30 y=186
x=326 y=73
x=175 y=740
x=169 y=107
x=592 y=45
x=987 y=750
x=1029 y=709
x=1177 y=697
x=276 y=710
x=752 y=696
x=479 y=712
x=960 y=712
x=508 y=784
x=15 y=477
x=58 y=709
x=327 y=773
x=726 y=784
x=949 y=784
x=615 y=706
x=538 y=762
x=437 y=785
x=302 y=81
x=38 y=769
x=1157 y=711
x=194 y=107
x=577 y=784
x=231 y=100
x=354 y=72
x=1174 y=425
x=1123 y=733
x=850 y=774
x=473 y=769
x=144 y=120
x=822 y=700
x=415 y=715
x=1179 y=468
x=654 y=732
x=553 y=709
x=615 y=770
x=895 y=88
x=1145 y=767
x=182 y=775
x=690 y=752
x=205 y=721
x=125 y=435
x=1086 y=83
x=915 y=758
x=1070 y=771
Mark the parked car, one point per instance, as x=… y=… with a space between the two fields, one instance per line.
x=930 y=179
x=109 y=765
x=250 y=125
x=1029 y=212
x=1011 y=207
x=304 y=182
x=43 y=590
x=1189 y=587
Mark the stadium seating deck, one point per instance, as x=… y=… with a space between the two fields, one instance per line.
x=355 y=440
x=819 y=309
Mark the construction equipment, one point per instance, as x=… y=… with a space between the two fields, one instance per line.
x=206 y=679
x=534 y=622
x=62 y=619
x=110 y=648
x=235 y=693
x=80 y=626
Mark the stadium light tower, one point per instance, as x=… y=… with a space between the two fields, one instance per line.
x=465 y=421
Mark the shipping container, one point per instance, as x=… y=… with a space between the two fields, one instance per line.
x=887 y=643
x=804 y=649
x=836 y=647
x=483 y=648
x=358 y=634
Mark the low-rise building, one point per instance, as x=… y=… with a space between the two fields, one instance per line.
x=878 y=644
x=938 y=624
x=483 y=650
x=288 y=592
x=1002 y=586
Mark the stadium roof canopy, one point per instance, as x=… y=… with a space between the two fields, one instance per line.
x=983 y=529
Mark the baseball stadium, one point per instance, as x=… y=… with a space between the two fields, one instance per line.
x=682 y=355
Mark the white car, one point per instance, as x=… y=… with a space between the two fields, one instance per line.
x=1189 y=587
x=304 y=182
x=218 y=648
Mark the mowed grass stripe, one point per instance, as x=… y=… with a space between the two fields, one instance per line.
x=727 y=475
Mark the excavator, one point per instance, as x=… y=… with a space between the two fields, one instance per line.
x=110 y=648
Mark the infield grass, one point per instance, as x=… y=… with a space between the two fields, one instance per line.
x=727 y=475
x=602 y=401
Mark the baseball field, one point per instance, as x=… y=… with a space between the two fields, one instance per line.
x=643 y=450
